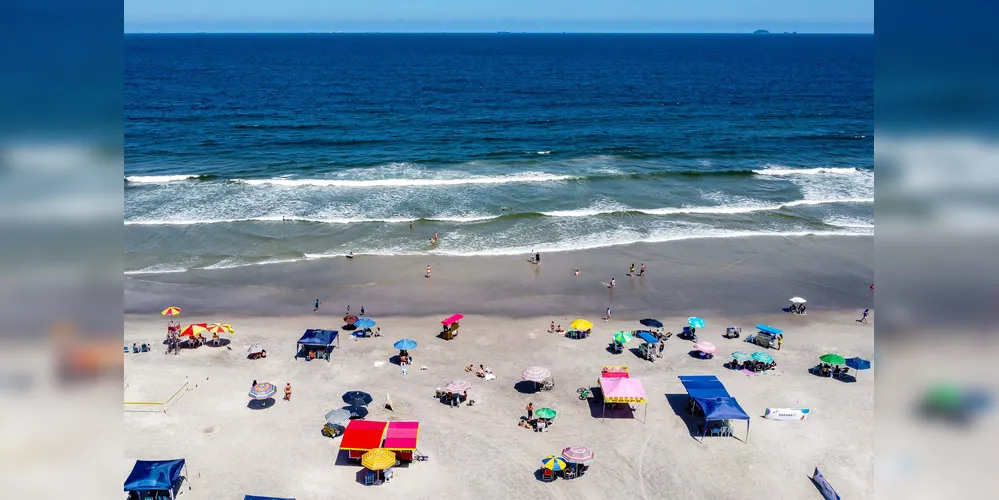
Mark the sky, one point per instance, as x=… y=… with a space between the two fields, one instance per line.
x=548 y=16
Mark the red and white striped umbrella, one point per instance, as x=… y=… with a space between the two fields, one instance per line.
x=458 y=386
x=536 y=373
x=577 y=455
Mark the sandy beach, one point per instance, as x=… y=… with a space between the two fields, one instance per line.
x=479 y=451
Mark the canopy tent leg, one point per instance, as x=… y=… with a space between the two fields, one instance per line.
x=646 y=417
x=747 y=431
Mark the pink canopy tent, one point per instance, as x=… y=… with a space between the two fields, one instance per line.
x=624 y=390
x=452 y=319
x=401 y=437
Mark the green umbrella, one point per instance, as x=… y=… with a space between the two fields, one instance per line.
x=944 y=396
x=741 y=356
x=622 y=337
x=762 y=357
x=545 y=413
x=832 y=359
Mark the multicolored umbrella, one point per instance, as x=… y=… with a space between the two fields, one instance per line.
x=337 y=416
x=622 y=337
x=695 y=322
x=535 y=373
x=217 y=328
x=357 y=398
x=228 y=328
x=458 y=386
x=193 y=330
x=832 y=359
x=171 y=311
x=762 y=357
x=545 y=413
x=581 y=325
x=405 y=344
x=263 y=390
x=577 y=455
x=651 y=323
x=378 y=459
x=553 y=463
x=741 y=356
x=706 y=347
x=365 y=323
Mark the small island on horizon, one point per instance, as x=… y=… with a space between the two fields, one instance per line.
x=761 y=32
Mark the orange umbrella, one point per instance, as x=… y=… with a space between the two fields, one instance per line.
x=193 y=330
x=171 y=311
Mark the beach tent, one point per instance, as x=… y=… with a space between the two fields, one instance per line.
x=362 y=436
x=710 y=395
x=623 y=390
x=769 y=329
x=255 y=497
x=318 y=340
x=402 y=437
x=154 y=476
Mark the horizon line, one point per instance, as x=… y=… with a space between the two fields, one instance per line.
x=331 y=32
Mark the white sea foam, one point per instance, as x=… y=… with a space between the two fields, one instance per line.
x=158 y=179
x=322 y=220
x=782 y=171
x=526 y=177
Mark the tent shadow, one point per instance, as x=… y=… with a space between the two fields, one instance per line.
x=256 y=404
x=343 y=458
x=597 y=410
x=680 y=405
x=526 y=387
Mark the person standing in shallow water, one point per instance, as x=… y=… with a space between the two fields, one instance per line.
x=641 y=272
x=631 y=272
x=315 y=308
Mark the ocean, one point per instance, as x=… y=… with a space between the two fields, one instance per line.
x=245 y=150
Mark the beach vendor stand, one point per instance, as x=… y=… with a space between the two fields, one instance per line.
x=317 y=344
x=401 y=438
x=618 y=387
x=158 y=478
x=650 y=346
x=766 y=336
x=451 y=326
x=362 y=436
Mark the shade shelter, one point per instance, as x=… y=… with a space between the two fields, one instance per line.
x=402 y=438
x=709 y=394
x=623 y=390
x=154 y=476
x=319 y=341
x=362 y=436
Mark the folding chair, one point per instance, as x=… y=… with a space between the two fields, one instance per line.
x=369 y=479
x=547 y=475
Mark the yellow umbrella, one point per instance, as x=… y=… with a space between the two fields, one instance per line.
x=171 y=311
x=581 y=325
x=378 y=459
x=217 y=328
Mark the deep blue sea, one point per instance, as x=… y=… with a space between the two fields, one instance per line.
x=253 y=149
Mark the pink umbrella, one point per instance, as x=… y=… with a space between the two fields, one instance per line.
x=706 y=347
x=458 y=386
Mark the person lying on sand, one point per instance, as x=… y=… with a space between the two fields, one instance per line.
x=559 y=329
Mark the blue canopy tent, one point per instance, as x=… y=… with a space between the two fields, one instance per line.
x=154 y=476
x=710 y=395
x=317 y=340
x=648 y=337
x=769 y=329
x=254 y=497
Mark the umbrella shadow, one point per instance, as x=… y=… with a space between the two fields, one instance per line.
x=260 y=404
x=220 y=343
x=527 y=387
x=680 y=403
x=539 y=474
x=348 y=327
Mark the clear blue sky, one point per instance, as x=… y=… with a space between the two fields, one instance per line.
x=701 y=16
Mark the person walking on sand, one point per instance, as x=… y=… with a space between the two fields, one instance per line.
x=315 y=307
x=428 y=271
x=641 y=271
x=863 y=319
x=287 y=392
x=780 y=341
x=530 y=411
x=608 y=315
x=362 y=310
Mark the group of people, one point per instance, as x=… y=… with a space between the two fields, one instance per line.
x=453 y=399
x=481 y=372
x=828 y=370
x=556 y=329
x=536 y=424
x=136 y=348
x=641 y=272
x=753 y=366
x=173 y=337
x=796 y=309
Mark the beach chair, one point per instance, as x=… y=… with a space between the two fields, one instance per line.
x=547 y=475
x=716 y=431
x=548 y=385
x=126 y=349
x=369 y=479
x=568 y=474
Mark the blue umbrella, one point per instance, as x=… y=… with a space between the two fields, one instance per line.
x=762 y=357
x=858 y=364
x=405 y=344
x=695 y=322
x=364 y=323
x=651 y=323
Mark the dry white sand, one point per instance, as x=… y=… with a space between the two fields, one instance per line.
x=479 y=451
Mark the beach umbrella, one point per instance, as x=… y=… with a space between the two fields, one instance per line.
x=741 y=356
x=798 y=300
x=193 y=330
x=350 y=319
x=832 y=359
x=580 y=325
x=458 y=386
x=858 y=364
x=217 y=328
x=622 y=337
x=171 y=311
x=651 y=323
x=535 y=373
x=263 y=390
x=695 y=322
x=545 y=413
x=255 y=349
x=357 y=398
x=365 y=323
x=228 y=328
x=553 y=463
x=405 y=344
x=577 y=455
x=337 y=416
x=762 y=357
x=705 y=347
x=356 y=411
x=378 y=459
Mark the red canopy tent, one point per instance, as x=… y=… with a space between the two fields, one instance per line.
x=362 y=436
x=401 y=437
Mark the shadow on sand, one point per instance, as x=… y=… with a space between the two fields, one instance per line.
x=260 y=404
x=527 y=387
x=680 y=405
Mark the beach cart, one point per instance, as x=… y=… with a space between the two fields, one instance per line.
x=766 y=336
x=450 y=329
x=733 y=332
